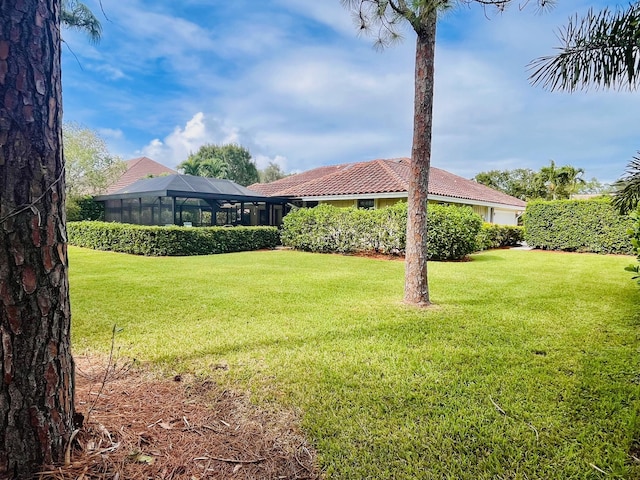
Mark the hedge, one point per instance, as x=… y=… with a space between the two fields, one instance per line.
x=169 y=241
x=577 y=226
x=492 y=235
x=452 y=230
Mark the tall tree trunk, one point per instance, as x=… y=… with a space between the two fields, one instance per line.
x=36 y=368
x=416 y=286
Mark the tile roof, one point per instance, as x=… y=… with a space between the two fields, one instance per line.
x=379 y=176
x=138 y=168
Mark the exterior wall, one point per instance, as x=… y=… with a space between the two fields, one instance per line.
x=340 y=203
x=504 y=217
x=484 y=212
x=388 y=202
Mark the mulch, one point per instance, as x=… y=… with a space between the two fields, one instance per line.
x=141 y=426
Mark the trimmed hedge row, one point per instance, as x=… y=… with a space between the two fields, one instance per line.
x=577 y=226
x=169 y=241
x=452 y=230
x=498 y=236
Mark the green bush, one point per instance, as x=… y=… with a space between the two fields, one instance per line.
x=577 y=226
x=634 y=236
x=452 y=230
x=169 y=241
x=492 y=235
x=83 y=207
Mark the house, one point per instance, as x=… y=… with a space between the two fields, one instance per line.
x=380 y=183
x=191 y=201
x=137 y=168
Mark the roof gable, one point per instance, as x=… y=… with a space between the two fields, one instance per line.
x=138 y=168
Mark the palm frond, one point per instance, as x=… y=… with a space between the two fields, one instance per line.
x=602 y=49
x=627 y=194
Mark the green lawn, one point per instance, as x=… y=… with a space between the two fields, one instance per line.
x=387 y=391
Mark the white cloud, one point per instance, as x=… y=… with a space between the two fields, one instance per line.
x=110 y=72
x=112 y=133
x=262 y=161
x=182 y=141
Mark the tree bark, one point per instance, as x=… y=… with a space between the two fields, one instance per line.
x=36 y=367
x=416 y=286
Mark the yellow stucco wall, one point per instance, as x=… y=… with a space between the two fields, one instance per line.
x=387 y=202
x=341 y=203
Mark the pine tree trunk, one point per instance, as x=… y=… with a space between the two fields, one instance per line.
x=36 y=393
x=416 y=286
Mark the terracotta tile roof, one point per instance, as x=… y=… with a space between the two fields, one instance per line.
x=379 y=176
x=138 y=168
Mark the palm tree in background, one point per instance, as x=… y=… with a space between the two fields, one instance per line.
x=602 y=50
x=560 y=182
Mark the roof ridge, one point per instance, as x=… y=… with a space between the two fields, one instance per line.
x=392 y=172
x=337 y=170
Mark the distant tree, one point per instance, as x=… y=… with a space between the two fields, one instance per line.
x=214 y=168
x=572 y=180
x=522 y=183
x=191 y=166
x=230 y=161
x=90 y=168
x=595 y=187
x=561 y=182
x=383 y=19
x=271 y=173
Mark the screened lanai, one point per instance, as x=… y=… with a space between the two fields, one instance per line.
x=191 y=201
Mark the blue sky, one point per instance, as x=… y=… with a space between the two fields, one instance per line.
x=292 y=81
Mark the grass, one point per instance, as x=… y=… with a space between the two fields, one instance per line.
x=527 y=368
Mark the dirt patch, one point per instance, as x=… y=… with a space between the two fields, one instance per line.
x=140 y=426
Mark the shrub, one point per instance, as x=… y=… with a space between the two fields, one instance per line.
x=83 y=207
x=452 y=230
x=492 y=235
x=577 y=226
x=634 y=236
x=169 y=241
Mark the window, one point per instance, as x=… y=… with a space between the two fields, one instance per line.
x=366 y=203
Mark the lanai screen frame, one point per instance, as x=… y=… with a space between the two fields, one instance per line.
x=171 y=208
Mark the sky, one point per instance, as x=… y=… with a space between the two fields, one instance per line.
x=295 y=83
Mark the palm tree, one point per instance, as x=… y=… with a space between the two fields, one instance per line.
x=601 y=49
x=551 y=177
x=560 y=182
x=571 y=179
x=383 y=18
x=78 y=16
x=213 y=168
x=191 y=166
x=627 y=195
